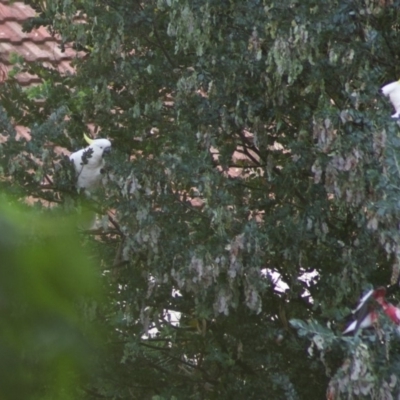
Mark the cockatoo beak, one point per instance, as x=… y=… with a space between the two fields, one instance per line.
x=88 y=140
x=106 y=151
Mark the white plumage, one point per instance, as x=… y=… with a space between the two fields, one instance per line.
x=367 y=322
x=392 y=90
x=89 y=162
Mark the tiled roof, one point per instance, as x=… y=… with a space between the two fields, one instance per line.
x=37 y=45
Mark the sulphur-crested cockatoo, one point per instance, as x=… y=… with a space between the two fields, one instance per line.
x=89 y=162
x=392 y=90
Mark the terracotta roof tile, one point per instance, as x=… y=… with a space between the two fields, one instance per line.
x=22 y=131
x=17 y=11
x=11 y=31
x=37 y=45
x=64 y=67
x=26 y=79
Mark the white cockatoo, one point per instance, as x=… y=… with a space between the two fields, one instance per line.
x=89 y=162
x=392 y=90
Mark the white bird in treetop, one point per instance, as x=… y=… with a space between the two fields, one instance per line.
x=392 y=90
x=89 y=162
x=365 y=315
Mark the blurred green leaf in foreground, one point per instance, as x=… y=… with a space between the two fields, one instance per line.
x=46 y=284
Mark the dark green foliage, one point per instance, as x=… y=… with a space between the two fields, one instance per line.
x=285 y=95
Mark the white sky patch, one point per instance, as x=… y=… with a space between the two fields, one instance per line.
x=309 y=278
x=173 y=317
x=281 y=286
x=276 y=278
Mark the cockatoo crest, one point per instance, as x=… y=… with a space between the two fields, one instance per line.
x=89 y=162
x=392 y=90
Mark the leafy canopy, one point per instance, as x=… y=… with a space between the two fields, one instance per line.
x=249 y=140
